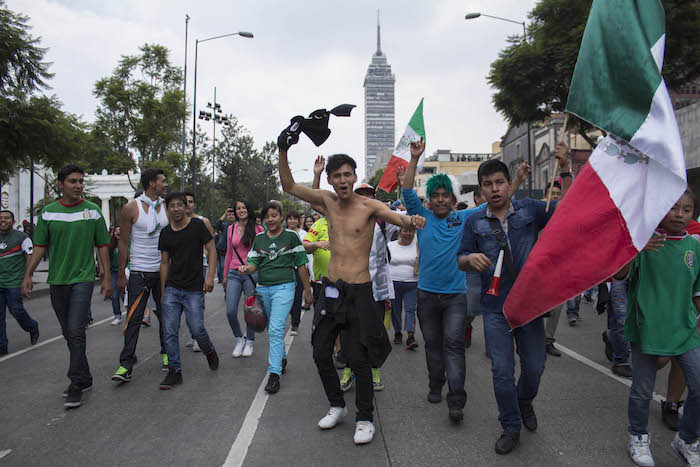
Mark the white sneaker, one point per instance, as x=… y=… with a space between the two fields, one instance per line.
x=116 y=321
x=195 y=347
x=364 y=432
x=238 y=350
x=190 y=343
x=334 y=415
x=248 y=348
x=639 y=450
x=689 y=453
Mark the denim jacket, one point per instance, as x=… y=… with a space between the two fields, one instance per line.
x=524 y=224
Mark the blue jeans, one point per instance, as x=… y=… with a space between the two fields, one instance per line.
x=572 y=307
x=71 y=303
x=617 y=313
x=501 y=345
x=406 y=298
x=473 y=282
x=220 y=261
x=175 y=301
x=442 y=319
x=11 y=299
x=235 y=284
x=278 y=303
x=117 y=295
x=643 y=378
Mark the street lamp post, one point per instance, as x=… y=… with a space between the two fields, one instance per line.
x=193 y=162
x=529 y=150
x=215 y=116
x=184 y=118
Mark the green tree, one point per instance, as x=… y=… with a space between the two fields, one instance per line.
x=142 y=105
x=33 y=129
x=532 y=77
x=245 y=172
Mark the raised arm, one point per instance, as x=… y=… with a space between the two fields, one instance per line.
x=319 y=165
x=310 y=195
x=417 y=148
x=523 y=172
x=562 y=154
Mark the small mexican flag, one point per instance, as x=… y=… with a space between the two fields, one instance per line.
x=402 y=154
x=633 y=177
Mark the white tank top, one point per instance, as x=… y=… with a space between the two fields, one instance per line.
x=144 y=254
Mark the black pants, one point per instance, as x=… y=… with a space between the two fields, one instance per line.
x=344 y=316
x=296 y=305
x=148 y=283
x=71 y=304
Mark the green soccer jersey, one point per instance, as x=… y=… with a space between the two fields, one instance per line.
x=276 y=257
x=661 y=315
x=14 y=245
x=71 y=233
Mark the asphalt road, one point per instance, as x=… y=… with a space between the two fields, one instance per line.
x=215 y=416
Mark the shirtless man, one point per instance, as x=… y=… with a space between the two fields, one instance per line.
x=347 y=304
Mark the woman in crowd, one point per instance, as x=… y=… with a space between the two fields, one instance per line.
x=239 y=238
x=402 y=267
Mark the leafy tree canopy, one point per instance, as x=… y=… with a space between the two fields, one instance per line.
x=532 y=77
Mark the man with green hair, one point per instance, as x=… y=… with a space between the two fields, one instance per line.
x=442 y=302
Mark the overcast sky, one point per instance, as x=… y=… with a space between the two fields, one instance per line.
x=305 y=55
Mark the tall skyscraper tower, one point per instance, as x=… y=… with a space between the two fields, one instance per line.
x=379 y=107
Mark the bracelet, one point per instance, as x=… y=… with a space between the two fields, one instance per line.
x=565 y=174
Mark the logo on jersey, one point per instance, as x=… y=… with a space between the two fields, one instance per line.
x=3 y=245
x=86 y=214
x=454 y=221
x=689 y=259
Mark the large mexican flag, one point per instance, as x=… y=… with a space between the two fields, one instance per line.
x=415 y=130
x=633 y=178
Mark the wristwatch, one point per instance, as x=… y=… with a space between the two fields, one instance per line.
x=565 y=174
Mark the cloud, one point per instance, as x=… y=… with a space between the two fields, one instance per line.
x=305 y=55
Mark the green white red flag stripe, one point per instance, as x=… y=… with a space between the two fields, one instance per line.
x=415 y=130
x=633 y=177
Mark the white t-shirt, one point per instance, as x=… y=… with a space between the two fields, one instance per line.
x=402 y=259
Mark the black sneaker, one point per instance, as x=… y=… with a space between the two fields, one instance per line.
x=411 y=343
x=213 y=359
x=398 y=338
x=82 y=388
x=507 y=442
x=172 y=379
x=669 y=414
x=284 y=365
x=434 y=397
x=623 y=371
x=527 y=414
x=456 y=415
x=551 y=350
x=273 y=384
x=3 y=352
x=608 y=347
x=340 y=364
x=572 y=321
x=74 y=397
x=34 y=336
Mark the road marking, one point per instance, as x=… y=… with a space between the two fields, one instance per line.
x=240 y=446
x=5 y=452
x=47 y=341
x=606 y=371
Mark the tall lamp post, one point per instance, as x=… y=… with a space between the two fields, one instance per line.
x=193 y=161
x=184 y=119
x=529 y=150
x=215 y=115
